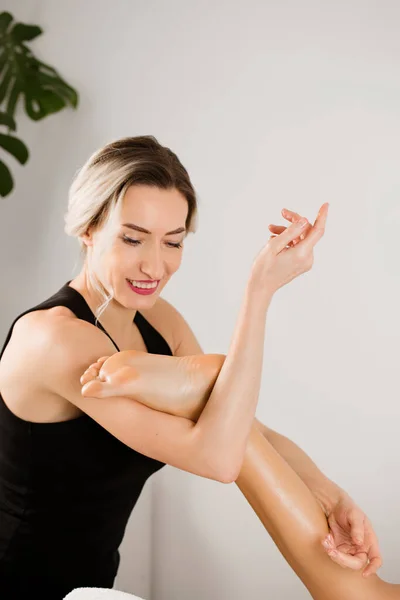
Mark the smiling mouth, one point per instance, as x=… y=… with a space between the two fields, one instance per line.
x=143 y=285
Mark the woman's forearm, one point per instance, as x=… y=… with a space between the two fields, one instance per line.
x=224 y=423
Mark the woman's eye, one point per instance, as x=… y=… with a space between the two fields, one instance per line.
x=131 y=241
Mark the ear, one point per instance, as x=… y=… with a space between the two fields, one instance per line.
x=87 y=237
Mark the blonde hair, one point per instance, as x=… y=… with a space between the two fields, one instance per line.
x=97 y=192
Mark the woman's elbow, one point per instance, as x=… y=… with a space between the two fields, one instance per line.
x=229 y=477
x=226 y=472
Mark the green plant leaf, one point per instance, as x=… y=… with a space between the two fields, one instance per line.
x=58 y=85
x=25 y=33
x=42 y=105
x=6 y=180
x=3 y=60
x=5 y=20
x=43 y=90
x=5 y=82
x=13 y=95
x=5 y=119
x=15 y=147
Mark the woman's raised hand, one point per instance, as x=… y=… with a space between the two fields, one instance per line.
x=290 y=252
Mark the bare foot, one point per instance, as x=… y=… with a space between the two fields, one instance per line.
x=92 y=372
x=109 y=376
x=179 y=385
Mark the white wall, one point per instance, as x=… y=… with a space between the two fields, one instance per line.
x=269 y=105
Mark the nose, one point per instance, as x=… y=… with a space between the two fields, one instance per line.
x=152 y=264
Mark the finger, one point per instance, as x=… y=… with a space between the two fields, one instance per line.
x=373 y=566
x=317 y=230
x=347 y=561
x=356 y=521
x=290 y=215
x=287 y=247
x=290 y=245
x=278 y=229
x=299 y=239
x=375 y=560
x=290 y=234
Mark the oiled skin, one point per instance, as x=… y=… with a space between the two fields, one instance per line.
x=176 y=385
x=284 y=504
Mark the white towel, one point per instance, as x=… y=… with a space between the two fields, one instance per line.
x=99 y=594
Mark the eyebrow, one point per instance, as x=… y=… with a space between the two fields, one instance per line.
x=143 y=230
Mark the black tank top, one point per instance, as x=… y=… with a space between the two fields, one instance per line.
x=66 y=489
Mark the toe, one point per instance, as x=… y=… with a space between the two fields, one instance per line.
x=89 y=374
x=93 y=389
x=103 y=359
x=101 y=362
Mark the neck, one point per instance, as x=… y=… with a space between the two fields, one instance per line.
x=116 y=319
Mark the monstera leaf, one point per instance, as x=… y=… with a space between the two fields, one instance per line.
x=22 y=75
x=15 y=147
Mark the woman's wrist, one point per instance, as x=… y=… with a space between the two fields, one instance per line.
x=258 y=291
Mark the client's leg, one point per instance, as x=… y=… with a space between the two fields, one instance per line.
x=297 y=524
x=282 y=501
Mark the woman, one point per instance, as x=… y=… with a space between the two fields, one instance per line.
x=71 y=471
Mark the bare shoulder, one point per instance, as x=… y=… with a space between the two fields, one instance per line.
x=46 y=346
x=31 y=329
x=35 y=327
x=57 y=338
x=72 y=340
x=31 y=319
x=171 y=324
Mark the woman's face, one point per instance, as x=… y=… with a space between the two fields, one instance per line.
x=147 y=245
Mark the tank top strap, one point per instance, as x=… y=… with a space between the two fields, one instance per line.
x=73 y=300
x=155 y=343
